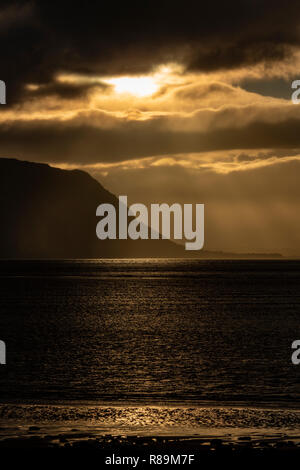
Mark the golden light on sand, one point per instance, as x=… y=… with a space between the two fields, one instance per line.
x=137 y=86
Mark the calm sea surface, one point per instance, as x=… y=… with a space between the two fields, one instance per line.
x=150 y=332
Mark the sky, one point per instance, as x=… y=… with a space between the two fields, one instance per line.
x=185 y=102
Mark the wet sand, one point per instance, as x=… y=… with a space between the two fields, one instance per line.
x=149 y=452
x=35 y=433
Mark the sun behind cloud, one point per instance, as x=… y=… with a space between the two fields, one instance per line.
x=137 y=86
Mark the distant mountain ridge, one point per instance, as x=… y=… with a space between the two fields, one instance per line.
x=48 y=212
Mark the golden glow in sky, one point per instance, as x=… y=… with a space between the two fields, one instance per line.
x=145 y=85
x=137 y=86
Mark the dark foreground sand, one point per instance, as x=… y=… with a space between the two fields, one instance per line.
x=113 y=451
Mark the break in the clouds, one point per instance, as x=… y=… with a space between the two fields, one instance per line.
x=171 y=93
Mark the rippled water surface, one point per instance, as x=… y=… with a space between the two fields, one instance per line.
x=149 y=332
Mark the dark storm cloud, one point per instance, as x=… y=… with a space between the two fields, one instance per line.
x=76 y=142
x=40 y=39
x=67 y=91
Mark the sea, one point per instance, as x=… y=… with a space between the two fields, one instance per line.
x=150 y=346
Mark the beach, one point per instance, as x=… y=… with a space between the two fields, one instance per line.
x=73 y=447
x=191 y=436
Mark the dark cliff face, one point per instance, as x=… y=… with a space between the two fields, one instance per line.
x=51 y=213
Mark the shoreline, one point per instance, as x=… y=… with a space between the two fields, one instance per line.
x=103 y=427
